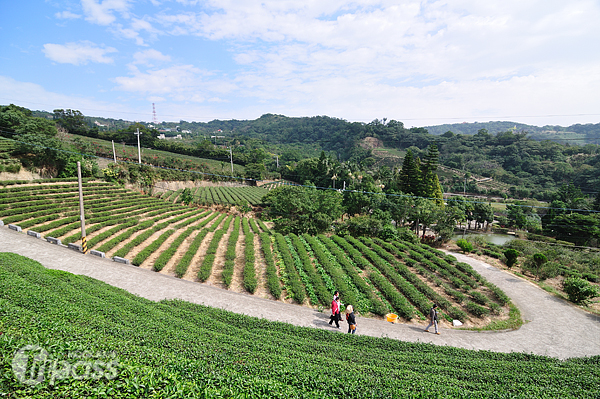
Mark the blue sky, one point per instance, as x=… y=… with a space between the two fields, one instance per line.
x=419 y=62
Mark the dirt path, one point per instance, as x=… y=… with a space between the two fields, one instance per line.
x=194 y=268
x=262 y=291
x=553 y=328
x=216 y=277
x=237 y=279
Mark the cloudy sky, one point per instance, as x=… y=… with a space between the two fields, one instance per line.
x=419 y=62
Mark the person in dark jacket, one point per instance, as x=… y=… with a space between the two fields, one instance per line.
x=433 y=317
x=351 y=319
x=335 y=310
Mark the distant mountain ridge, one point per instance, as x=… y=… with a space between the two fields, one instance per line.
x=578 y=134
x=575 y=134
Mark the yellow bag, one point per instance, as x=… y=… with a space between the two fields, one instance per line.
x=353 y=326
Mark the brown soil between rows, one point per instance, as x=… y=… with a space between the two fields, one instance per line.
x=216 y=276
x=149 y=262
x=192 y=272
x=261 y=271
x=237 y=279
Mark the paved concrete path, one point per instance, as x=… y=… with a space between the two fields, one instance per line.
x=553 y=328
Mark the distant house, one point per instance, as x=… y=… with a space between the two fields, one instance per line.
x=161 y=136
x=99 y=124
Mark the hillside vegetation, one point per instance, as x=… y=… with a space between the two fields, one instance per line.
x=242 y=254
x=137 y=348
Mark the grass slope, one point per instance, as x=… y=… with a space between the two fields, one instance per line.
x=177 y=349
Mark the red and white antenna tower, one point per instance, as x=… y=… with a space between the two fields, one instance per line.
x=154 y=120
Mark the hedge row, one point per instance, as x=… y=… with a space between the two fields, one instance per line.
x=167 y=254
x=249 y=272
x=376 y=305
x=103 y=236
x=323 y=295
x=264 y=227
x=185 y=261
x=272 y=278
x=230 y=254
x=356 y=256
x=146 y=252
x=107 y=246
x=327 y=280
x=398 y=301
x=209 y=257
x=331 y=266
x=405 y=288
x=289 y=274
x=445 y=304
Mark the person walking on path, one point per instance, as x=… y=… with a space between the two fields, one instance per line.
x=351 y=319
x=335 y=310
x=433 y=317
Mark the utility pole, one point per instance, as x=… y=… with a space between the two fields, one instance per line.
x=277 y=161
x=231 y=159
x=82 y=215
x=139 y=151
x=114 y=153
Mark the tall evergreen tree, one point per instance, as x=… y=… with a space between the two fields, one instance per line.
x=410 y=174
x=430 y=184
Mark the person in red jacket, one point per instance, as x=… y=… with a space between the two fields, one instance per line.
x=335 y=310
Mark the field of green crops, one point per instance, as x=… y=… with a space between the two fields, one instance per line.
x=221 y=195
x=69 y=336
x=242 y=254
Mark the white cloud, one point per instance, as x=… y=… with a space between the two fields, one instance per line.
x=101 y=13
x=161 y=81
x=145 y=57
x=78 y=53
x=67 y=15
x=34 y=96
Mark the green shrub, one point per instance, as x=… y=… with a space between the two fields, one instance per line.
x=550 y=270
x=477 y=310
x=500 y=296
x=495 y=308
x=479 y=297
x=465 y=245
x=591 y=277
x=580 y=291
x=511 y=257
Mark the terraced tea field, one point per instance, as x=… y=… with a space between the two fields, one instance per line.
x=174 y=349
x=243 y=255
x=219 y=195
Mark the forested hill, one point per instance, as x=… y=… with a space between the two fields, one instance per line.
x=574 y=134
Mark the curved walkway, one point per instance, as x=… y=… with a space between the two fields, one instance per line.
x=553 y=327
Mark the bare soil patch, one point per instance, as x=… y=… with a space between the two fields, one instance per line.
x=192 y=271
x=237 y=279
x=216 y=277
x=183 y=248
x=261 y=271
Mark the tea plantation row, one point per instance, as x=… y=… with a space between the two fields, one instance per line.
x=173 y=349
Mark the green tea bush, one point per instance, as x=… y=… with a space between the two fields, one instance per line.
x=479 y=297
x=464 y=245
x=476 y=310
x=580 y=291
x=511 y=257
